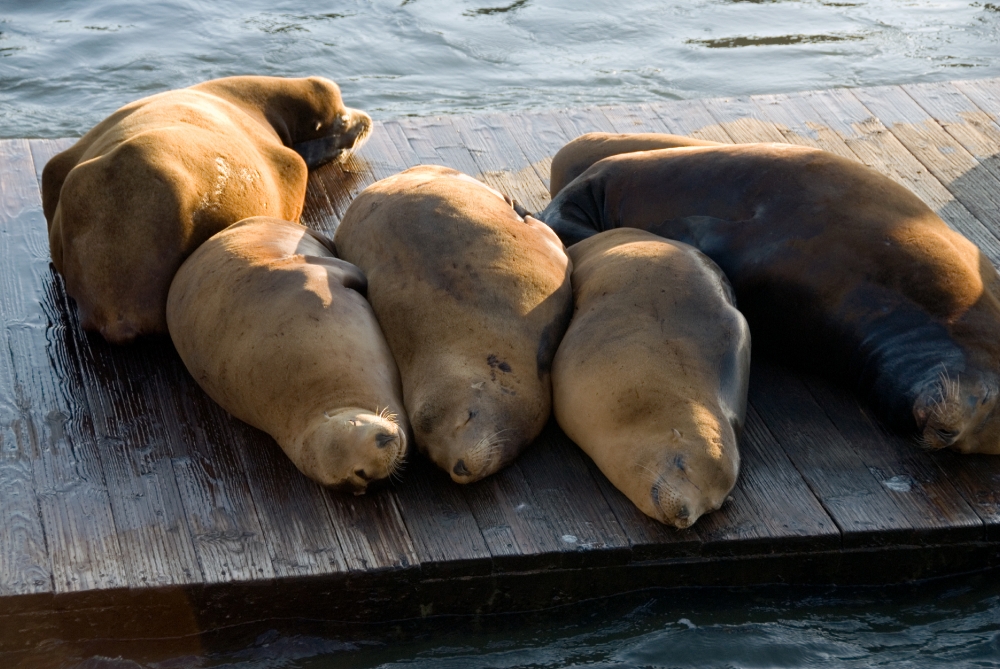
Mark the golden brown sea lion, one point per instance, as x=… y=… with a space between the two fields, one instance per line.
x=651 y=377
x=139 y=192
x=473 y=300
x=833 y=264
x=573 y=159
x=276 y=330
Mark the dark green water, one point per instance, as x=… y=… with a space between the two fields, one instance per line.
x=949 y=623
x=66 y=64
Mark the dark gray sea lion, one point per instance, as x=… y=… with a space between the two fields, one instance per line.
x=145 y=187
x=473 y=300
x=277 y=331
x=833 y=264
x=651 y=377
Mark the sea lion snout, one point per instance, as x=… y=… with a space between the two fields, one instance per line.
x=959 y=413
x=344 y=135
x=350 y=448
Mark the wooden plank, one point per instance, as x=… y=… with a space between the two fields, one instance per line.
x=372 y=532
x=516 y=529
x=501 y=162
x=149 y=516
x=634 y=118
x=939 y=152
x=539 y=137
x=867 y=511
x=740 y=118
x=295 y=524
x=690 y=117
x=795 y=121
x=579 y=121
x=576 y=510
x=977 y=478
x=902 y=467
x=446 y=538
x=772 y=508
x=970 y=126
x=68 y=478
x=877 y=148
x=985 y=94
x=227 y=533
x=24 y=561
x=43 y=149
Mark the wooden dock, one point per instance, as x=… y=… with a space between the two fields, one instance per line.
x=133 y=507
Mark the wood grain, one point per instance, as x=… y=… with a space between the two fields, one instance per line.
x=80 y=534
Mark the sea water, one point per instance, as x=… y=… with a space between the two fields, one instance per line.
x=65 y=64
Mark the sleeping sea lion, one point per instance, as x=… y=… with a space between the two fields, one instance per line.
x=473 y=300
x=651 y=377
x=833 y=264
x=137 y=194
x=276 y=329
x=573 y=159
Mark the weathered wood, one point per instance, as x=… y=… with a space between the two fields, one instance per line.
x=635 y=118
x=446 y=539
x=75 y=507
x=771 y=508
x=972 y=127
x=575 y=508
x=867 y=512
x=690 y=117
x=877 y=148
x=24 y=561
x=939 y=152
x=922 y=492
x=117 y=471
x=794 y=120
x=740 y=118
x=539 y=137
x=227 y=533
x=500 y=161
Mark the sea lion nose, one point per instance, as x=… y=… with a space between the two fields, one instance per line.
x=460 y=469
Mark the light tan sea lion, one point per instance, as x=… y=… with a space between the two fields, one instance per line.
x=276 y=330
x=651 y=377
x=137 y=194
x=573 y=159
x=835 y=266
x=473 y=300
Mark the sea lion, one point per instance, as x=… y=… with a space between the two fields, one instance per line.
x=137 y=194
x=833 y=264
x=573 y=159
x=650 y=379
x=473 y=300
x=276 y=329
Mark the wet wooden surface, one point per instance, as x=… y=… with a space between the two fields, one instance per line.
x=123 y=485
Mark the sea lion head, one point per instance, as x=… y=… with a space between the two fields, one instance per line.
x=323 y=128
x=349 y=448
x=477 y=435
x=692 y=473
x=960 y=412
